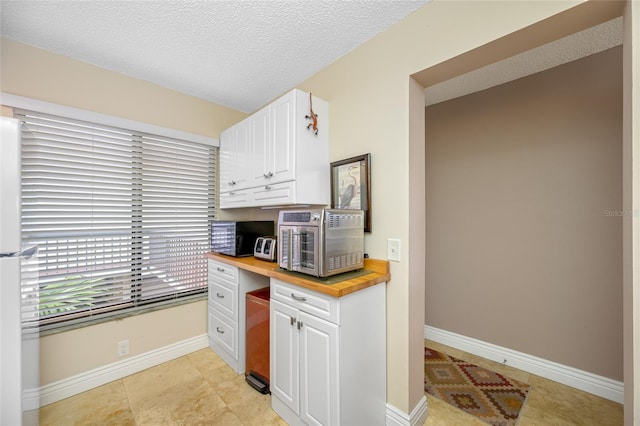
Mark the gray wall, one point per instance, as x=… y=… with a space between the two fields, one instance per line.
x=523 y=182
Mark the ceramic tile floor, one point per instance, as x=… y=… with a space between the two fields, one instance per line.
x=196 y=389
x=200 y=389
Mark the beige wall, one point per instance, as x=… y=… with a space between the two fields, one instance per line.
x=369 y=95
x=520 y=249
x=368 y=91
x=34 y=73
x=64 y=355
x=38 y=74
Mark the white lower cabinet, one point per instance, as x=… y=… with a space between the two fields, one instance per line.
x=328 y=356
x=228 y=286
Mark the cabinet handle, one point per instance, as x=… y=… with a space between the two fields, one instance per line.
x=219 y=269
x=233 y=182
x=219 y=330
x=293 y=320
x=268 y=175
x=268 y=187
x=220 y=295
x=299 y=325
x=299 y=298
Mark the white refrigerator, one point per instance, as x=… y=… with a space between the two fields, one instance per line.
x=17 y=356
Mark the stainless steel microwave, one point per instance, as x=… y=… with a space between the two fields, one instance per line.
x=238 y=238
x=321 y=242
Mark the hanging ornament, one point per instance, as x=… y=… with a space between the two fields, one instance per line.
x=312 y=116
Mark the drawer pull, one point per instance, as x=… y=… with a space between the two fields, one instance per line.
x=219 y=269
x=299 y=298
x=293 y=320
x=299 y=325
x=220 y=295
x=219 y=330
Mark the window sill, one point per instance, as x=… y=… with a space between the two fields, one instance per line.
x=125 y=313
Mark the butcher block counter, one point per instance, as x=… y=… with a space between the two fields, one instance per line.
x=375 y=272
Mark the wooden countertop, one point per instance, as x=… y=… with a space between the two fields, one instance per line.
x=379 y=274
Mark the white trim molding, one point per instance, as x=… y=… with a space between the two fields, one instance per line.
x=397 y=417
x=579 y=379
x=56 y=391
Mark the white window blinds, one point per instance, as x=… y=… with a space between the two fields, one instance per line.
x=121 y=218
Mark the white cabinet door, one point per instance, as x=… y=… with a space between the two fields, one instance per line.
x=244 y=154
x=273 y=142
x=319 y=395
x=282 y=153
x=236 y=157
x=261 y=148
x=283 y=347
x=227 y=157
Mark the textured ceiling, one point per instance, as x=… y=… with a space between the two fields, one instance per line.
x=241 y=54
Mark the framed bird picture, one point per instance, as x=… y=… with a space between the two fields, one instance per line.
x=351 y=186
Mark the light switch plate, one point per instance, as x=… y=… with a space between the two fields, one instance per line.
x=393 y=249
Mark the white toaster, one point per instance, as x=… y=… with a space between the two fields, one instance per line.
x=265 y=248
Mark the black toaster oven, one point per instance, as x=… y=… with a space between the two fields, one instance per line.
x=238 y=238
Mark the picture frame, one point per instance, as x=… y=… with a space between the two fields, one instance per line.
x=351 y=186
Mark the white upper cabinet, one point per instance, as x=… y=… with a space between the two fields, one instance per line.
x=276 y=157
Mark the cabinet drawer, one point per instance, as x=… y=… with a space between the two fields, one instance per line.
x=311 y=302
x=222 y=270
x=272 y=194
x=238 y=198
x=223 y=297
x=224 y=333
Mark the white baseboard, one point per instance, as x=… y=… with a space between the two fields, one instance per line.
x=579 y=379
x=74 y=385
x=397 y=417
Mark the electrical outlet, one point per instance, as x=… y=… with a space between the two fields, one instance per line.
x=393 y=249
x=123 y=348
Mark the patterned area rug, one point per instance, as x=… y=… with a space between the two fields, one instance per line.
x=491 y=397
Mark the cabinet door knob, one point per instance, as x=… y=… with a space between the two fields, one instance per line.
x=220 y=295
x=219 y=330
x=299 y=298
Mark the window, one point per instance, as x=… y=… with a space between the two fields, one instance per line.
x=120 y=218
